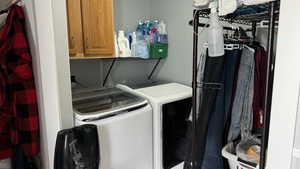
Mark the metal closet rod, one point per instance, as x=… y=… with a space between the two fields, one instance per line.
x=272 y=15
x=224 y=27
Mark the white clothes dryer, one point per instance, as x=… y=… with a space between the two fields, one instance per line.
x=171 y=104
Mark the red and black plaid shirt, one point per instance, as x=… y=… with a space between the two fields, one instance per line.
x=18 y=102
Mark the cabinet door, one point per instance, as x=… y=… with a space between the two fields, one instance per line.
x=75 y=28
x=97 y=17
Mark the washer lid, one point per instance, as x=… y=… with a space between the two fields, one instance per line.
x=100 y=102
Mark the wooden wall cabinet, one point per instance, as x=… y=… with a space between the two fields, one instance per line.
x=90 y=25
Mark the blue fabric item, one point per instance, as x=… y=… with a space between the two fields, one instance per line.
x=249 y=10
x=214 y=141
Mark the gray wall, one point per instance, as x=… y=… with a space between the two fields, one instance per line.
x=91 y=72
x=127 y=13
x=177 y=13
x=88 y=72
x=129 y=71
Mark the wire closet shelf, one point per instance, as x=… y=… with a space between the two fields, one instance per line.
x=249 y=16
x=246 y=15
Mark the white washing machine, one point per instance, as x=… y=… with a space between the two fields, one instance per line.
x=169 y=101
x=125 y=126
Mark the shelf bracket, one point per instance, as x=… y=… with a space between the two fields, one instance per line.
x=109 y=71
x=154 y=68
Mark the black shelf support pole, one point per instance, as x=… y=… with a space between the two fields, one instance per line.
x=254 y=24
x=269 y=85
x=109 y=71
x=194 y=98
x=154 y=68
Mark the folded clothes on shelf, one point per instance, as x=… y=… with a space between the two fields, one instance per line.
x=255 y=2
x=228 y=6
x=201 y=3
x=233 y=6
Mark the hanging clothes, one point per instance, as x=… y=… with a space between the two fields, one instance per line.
x=212 y=77
x=259 y=87
x=18 y=104
x=214 y=141
x=242 y=110
x=20 y=161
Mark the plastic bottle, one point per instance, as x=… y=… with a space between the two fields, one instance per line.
x=116 y=45
x=123 y=45
x=162 y=28
x=139 y=47
x=215 y=35
x=142 y=49
x=129 y=37
x=147 y=27
x=134 y=45
x=163 y=35
x=156 y=23
x=140 y=26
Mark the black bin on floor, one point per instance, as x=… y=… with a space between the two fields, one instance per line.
x=77 y=148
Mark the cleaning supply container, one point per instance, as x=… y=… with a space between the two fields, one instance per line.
x=158 y=50
x=233 y=160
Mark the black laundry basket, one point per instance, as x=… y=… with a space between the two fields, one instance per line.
x=77 y=148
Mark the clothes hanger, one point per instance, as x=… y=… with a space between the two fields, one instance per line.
x=4 y=11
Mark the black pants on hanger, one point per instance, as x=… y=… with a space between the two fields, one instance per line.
x=212 y=75
x=214 y=141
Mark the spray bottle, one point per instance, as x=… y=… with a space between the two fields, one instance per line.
x=162 y=30
x=215 y=34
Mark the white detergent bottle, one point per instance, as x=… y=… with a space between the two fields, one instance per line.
x=215 y=34
x=134 y=45
x=123 y=42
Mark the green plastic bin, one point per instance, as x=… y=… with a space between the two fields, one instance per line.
x=158 y=50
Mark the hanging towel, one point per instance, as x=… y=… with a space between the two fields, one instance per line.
x=19 y=111
x=255 y=2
